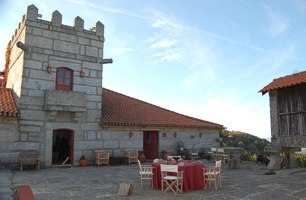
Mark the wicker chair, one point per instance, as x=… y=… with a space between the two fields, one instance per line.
x=102 y=157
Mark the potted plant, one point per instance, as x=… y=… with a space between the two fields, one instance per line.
x=83 y=161
x=141 y=156
x=165 y=154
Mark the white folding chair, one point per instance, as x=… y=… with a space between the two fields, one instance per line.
x=146 y=173
x=213 y=153
x=212 y=174
x=172 y=182
x=222 y=155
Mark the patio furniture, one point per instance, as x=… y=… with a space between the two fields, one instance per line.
x=222 y=156
x=174 y=157
x=102 y=157
x=171 y=180
x=131 y=156
x=194 y=154
x=193 y=173
x=145 y=172
x=29 y=158
x=24 y=192
x=212 y=174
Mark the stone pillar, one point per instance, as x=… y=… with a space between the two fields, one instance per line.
x=274 y=156
x=78 y=24
x=32 y=13
x=56 y=18
x=290 y=156
x=293 y=162
x=274 y=116
x=99 y=29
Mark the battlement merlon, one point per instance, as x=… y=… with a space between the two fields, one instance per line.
x=32 y=14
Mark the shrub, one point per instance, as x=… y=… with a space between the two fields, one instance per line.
x=248 y=156
x=300 y=158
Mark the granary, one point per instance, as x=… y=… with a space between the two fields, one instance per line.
x=288 y=115
x=52 y=100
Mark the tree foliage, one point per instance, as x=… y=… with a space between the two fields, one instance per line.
x=250 y=143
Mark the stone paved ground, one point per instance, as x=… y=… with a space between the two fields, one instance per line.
x=93 y=182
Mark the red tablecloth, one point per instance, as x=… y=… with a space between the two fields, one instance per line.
x=193 y=174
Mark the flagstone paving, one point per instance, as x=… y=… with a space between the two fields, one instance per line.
x=101 y=182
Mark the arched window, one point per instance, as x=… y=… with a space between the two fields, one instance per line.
x=64 y=78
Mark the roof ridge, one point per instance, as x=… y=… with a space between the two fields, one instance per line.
x=153 y=105
x=285 y=81
x=290 y=75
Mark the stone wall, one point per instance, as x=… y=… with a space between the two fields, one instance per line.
x=116 y=141
x=8 y=135
x=47 y=46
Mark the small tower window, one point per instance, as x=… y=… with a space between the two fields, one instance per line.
x=64 y=78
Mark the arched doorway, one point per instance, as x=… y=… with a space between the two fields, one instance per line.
x=62 y=146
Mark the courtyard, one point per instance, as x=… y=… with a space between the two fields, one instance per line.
x=101 y=182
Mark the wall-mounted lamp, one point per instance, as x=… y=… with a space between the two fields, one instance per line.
x=175 y=134
x=131 y=134
x=200 y=134
x=164 y=134
x=82 y=73
x=219 y=139
x=49 y=69
x=274 y=137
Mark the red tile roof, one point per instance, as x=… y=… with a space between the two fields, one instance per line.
x=7 y=103
x=286 y=81
x=121 y=110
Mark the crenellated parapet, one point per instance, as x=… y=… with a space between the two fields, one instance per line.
x=33 y=18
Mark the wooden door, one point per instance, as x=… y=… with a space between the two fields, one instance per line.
x=71 y=145
x=150 y=144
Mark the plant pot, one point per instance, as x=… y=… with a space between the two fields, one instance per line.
x=83 y=163
x=142 y=157
x=165 y=156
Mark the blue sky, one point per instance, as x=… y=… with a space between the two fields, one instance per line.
x=203 y=58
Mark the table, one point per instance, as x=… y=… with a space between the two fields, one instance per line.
x=193 y=174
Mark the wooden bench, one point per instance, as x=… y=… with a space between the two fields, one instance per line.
x=24 y=192
x=29 y=158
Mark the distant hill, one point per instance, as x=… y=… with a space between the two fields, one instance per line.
x=250 y=143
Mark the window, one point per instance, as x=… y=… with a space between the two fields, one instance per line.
x=64 y=78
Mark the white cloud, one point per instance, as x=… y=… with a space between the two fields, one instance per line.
x=228 y=111
x=278 y=24
x=167 y=56
x=163 y=44
x=119 y=51
x=190 y=79
x=107 y=9
x=240 y=116
x=15 y=16
x=162 y=21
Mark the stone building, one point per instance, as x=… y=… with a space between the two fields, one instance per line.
x=52 y=100
x=288 y=116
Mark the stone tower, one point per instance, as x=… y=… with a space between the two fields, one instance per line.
x=55 y=72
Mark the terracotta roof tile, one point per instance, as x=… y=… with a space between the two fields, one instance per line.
x=7 y=103
x=286 y=81
x=122 y=110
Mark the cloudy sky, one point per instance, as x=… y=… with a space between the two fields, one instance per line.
x=203 y=58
